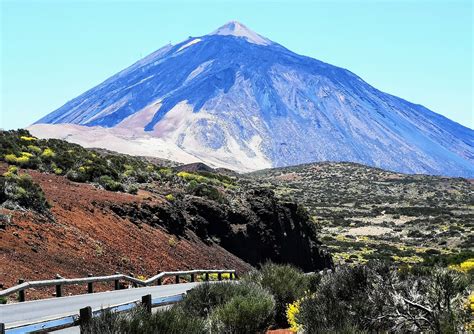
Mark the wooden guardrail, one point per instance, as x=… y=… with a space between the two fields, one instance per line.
x=86 y=314
x=59 y=282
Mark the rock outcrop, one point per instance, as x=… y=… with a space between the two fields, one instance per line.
x=256 y=228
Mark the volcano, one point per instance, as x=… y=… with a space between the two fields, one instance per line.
x=236 y=99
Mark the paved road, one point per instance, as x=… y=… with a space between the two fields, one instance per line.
x=32 y=311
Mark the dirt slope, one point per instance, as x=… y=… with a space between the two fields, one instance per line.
x=87 y=237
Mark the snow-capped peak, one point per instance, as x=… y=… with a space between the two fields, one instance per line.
x=232 y=103
x=237 y=29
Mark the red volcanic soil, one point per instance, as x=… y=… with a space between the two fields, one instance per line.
x=87 y=237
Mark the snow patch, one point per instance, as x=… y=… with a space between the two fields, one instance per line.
x=140 y=119
x=194 y=41
x=198 y=70
x=115 y=139
x=237 y=29
x=140 y=82
x=183 y=127
x=178 y=137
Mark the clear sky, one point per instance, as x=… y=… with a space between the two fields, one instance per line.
x=52 y=51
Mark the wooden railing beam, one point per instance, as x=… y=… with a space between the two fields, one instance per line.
x=59 y=282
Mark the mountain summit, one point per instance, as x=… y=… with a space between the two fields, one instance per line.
x=236 y=99
x=237 y=29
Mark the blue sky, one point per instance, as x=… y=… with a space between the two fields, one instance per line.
x=52 y=51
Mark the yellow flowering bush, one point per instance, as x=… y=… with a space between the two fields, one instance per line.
x=26 y=154
x=291 y=314
x=465 y=267
x=12 y=172
x=165 y=171
x=48 y=153
x=82 y=169
x=23 y=159
x=469 y=327
x=407 y=259
x=172 y=242
x=190 y=176
x=10 y=158
x=27 y=138
x=215 y=276
x=34 y=149
x=150 y=168
x=142 y=277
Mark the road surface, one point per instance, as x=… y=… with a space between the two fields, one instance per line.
x=45 y=309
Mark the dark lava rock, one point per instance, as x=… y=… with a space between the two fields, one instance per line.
x=257 y=228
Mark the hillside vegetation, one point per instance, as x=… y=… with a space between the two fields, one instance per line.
x=367 y=213
x=359 y=213
x=64 y=211
x=372 y=298
x=116 y=172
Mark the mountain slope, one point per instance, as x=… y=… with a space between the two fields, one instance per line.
x=368 y=213
x=235 y=99
x=60 y=202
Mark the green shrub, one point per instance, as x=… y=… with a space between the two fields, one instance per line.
x=207 y=296
x=192 y=185
x=207 y=178
x=131 y=189
x=77 y=176
x=252 y=313
x=110 y=184
x=3 y=300
x=286 y=283
x=172 y=321
x=243 y=307
x=77 y=163
x=204 y=190
x=339 y=299
x=378 y=298
x=16 y=189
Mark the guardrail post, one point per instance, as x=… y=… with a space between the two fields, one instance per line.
x=90 y=287
x=192 y=278
x=2 y=328
x=146 y=303
x=219 y=276
x=59 y=287
x=206 y=277
x=158 y=281
x=117 y=282
x=85 y=315
x=133 y=283
x=177 y=279
x=21 y=293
